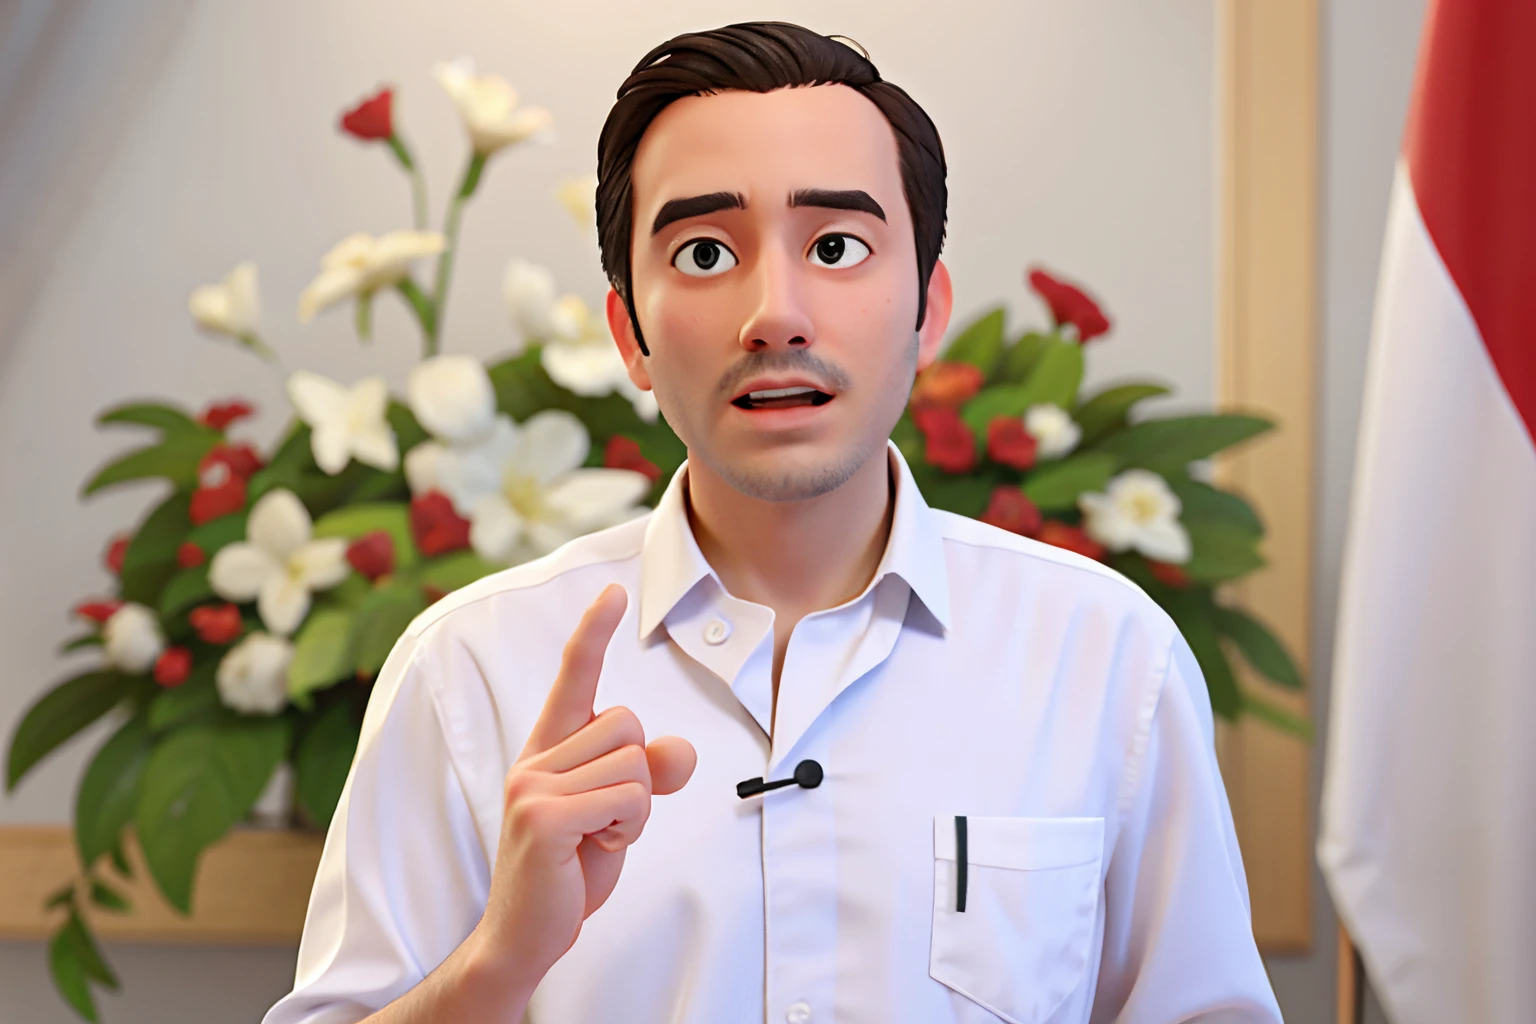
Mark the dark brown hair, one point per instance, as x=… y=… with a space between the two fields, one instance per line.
x=759 y=56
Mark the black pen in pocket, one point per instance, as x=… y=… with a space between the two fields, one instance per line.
x=960 y=863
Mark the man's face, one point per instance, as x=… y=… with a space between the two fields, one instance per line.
x=773 y=249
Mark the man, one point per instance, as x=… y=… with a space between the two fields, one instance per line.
x=1008 y=805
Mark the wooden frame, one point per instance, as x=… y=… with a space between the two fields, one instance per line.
x=253 y=886
x=1266 y=340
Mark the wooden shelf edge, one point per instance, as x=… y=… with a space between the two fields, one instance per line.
x=252 y=889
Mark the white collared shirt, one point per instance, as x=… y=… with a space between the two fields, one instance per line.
x=1031 y=691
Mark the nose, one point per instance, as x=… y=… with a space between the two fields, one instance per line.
x=779 y=317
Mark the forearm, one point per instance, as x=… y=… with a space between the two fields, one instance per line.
x=472 y=985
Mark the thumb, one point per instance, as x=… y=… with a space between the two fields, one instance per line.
x=672 y=760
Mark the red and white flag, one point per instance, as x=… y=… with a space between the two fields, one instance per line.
x=1428 y=836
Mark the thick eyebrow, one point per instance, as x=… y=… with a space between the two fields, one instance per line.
x=696 y=206
x=838 y=199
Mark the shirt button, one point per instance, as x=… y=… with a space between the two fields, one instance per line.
x=717 y=631
x=799 y=1013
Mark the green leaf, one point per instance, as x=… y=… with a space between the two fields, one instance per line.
x=321 y=652
x=1056 y=375
x=1109 y=410
x=965 y=495
x=152 y=414
x=185 y=589
x=1280 y=718
x=323 y=759
x=980 y=344
x=523 y=388
x=200 y=781
x=86 y=952
x=1193 y=617
x=160 y=535
x=108 y=898
x=175 y=458
x=352 y=521
x=1167 y=446
x=58 y=715
x=81 y=642
x=109 y=789
x=1054 y=487
x=120 y=859
x=64 y=897
x=1203 y=503
x=452 y=571
x=1020 y=357
x=408 y=431
x=380 y=620
x=197 y=697
x=1260 y=648
x=69 y=973
x=215 y=533
x=1221 y=551
x=988 y=404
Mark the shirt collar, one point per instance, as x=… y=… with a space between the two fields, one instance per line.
x=671 y=563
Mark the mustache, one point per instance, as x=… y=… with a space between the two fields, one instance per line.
x=796 y=360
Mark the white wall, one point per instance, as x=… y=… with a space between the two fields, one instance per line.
x=1078 y=135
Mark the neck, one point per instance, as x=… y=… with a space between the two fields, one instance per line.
x=796 y=557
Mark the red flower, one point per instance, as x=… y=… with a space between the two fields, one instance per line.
x=437 y=528
x=624 y=453
x=951 y=445
x=949 y=384
x=213 y=502
x=115 y=552
x=220 y=415
x=372 y=119
x=173 y=666
x=1070 y=537
x=97 y=611
x=189 y=555
x=433 y=594
x=1168 y=573
x=226 y=460
x=1011 y=509
x=1070 y=305
x=372 y=554
x=1009 y=444
x=216 y=623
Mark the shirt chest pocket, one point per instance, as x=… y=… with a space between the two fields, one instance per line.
x=1022 y=943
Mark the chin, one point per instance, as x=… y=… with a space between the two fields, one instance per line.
x=789 y=475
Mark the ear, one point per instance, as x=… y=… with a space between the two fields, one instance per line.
x=941 y=302
x=623 y=331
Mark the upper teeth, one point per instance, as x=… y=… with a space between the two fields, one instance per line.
x=779 y=393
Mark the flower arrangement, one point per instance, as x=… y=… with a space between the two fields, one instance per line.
x=257 y=601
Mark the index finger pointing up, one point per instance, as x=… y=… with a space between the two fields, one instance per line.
x=569 y=705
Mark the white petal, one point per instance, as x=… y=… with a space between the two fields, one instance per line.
x=368 y=399
x=328 y=288
x=210 y=307
x=332 y=447
x=317 y=399
x=579 y=196
x=238 y=570
x=585 y=369
x=592 y=497
x=421 y=467
x=529 y=292
x=375 y=446
x=1165 y=540
x=468 y=476
x=553 y=443
x=244 y=298
x=132 y=638
x=279 y=523
x=1104 y=522
x=352 y=252
x=321 y=564
x=282 y=604
x=252 y=677
x=495 y=528
x=451 y=396
x=546 y=537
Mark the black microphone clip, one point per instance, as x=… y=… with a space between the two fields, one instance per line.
x=808 y=774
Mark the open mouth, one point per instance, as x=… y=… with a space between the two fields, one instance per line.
x=781 y=398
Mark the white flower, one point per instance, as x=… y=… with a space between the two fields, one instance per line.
x=253 y=676
x=278 y=564
x=1139 y=511
x=452 y=397
x=345 y=422
x=525 y=486
x=579 y=195
x=529 y=292
x=1053 y=429
x=231 y=307
x=422 y=465
x=132 y=638
x=488 y=105
x=361 y=264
